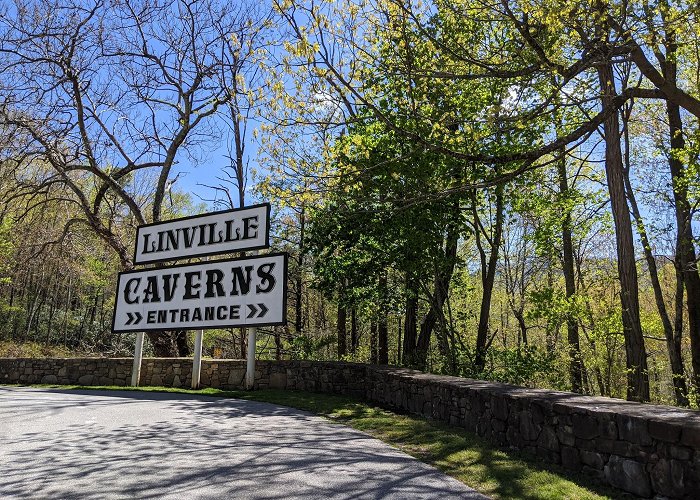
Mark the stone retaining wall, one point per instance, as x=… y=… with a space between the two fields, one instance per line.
x=66 y=371
x=643 y=449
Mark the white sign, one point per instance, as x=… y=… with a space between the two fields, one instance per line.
x=250 y=291
x=206 y=234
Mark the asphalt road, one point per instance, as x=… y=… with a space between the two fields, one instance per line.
x=71 y=444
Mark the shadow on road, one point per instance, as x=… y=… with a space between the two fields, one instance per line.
x=133 y=444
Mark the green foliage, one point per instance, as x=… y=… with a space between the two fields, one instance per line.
x=520 y=365
x=6 y=250
x=551 y=305
x=525 y=365
x=307 y=347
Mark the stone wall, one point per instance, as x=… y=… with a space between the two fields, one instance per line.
x=66 y=371
x=643 y=449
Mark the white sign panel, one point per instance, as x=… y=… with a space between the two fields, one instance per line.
x=207 y=234
x=251 y=291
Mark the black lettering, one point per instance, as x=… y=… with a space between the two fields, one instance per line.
x=160 y=241
x=128 y=291
x=146 y=237
x=150 y=294
x=190 y=285
x=173 y=314
x=197 y=314
x=209 y=313
x=202 y=234
x=184 y=315
x=234 y=312
x=214 y=277
x=151 y=317
x=212 y=233
x=266 y=277
x=240 y=280
x=248 y=226
x=229 y=231
x=168 y=288
x=163 y=316
x=188 y=237
x=173 y=239
x=221 y=312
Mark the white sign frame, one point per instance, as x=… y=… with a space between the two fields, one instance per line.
x=252 y=307
x=208 y=234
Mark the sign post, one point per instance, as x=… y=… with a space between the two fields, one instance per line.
x=250 y=361
x=197 y=362
x=250 y=357
x=245 y=292
x=197 y=358
x=138 y=356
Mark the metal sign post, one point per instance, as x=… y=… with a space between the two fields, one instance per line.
x=197 y=358
x=250 y=358
x=197 y=362
x=250 y=361
x=138 y=356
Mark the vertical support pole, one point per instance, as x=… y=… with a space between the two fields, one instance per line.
x=197 y=358
x=197 y=362
x=138 y=356
x=250 y=361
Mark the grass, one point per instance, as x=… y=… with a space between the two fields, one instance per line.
x=10 y=349
x=462 y=455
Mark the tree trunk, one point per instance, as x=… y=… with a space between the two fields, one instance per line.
x=410 y=335
x=522 y=326
x=68 y=308
x=278 y=343
x=685 y=248
x=353 y=331
x=299 y=297
x=373 y=342
x=575 y=359
x=383 y=322
x=674 y=352
x=678 y=323
x=443 y=276
x=399 y=343
x=163 y=343
x=686 y=264
x=636 y=358
x=52 y=311
x=342 y=331
x=183 y=348
x=488 y=277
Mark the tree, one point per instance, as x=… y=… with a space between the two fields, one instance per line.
x=112 y=95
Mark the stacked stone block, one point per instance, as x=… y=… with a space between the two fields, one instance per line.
x=66 y=371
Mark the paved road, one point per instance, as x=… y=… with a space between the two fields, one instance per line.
x=71 y=444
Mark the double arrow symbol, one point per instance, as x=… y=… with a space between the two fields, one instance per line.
x=133 y=319
x=252 y=310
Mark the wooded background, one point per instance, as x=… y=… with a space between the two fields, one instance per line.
x=504 y=190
